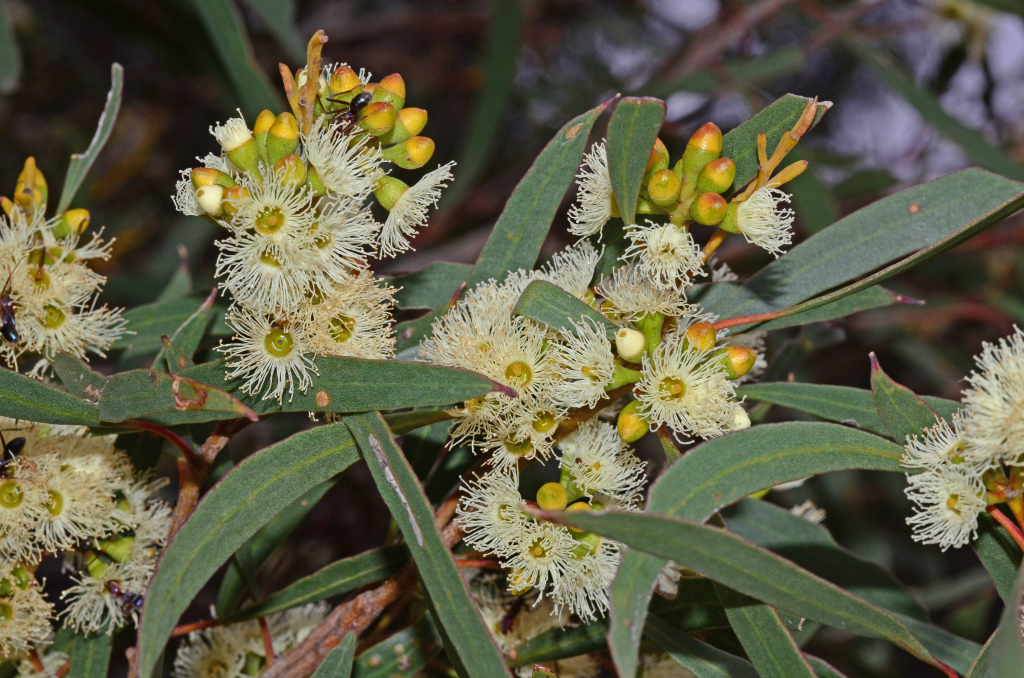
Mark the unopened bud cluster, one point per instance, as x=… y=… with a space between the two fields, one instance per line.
x=49 y=293
x=65 y=493
x=294 y=193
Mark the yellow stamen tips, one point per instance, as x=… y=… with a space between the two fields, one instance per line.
x=738 y=360
x=292 y=170
x=717 y=176
x=518 y=374
x=664 y=187
x=11 y=494
x=344 y=79
x=953 y=501
x=579 y=506
x=6 y=613
x=54 y=503
x=537 y=549
x=672 y=389
x=342 y=328
x=53 y=317
x=283 y=138
x=391 y=89
x=701 y=336
x=709 y=209
x=73 y=221
x=516 y=584
x=551 y=497
x=270 y=221
x=544 y=423
x=210 y=199
x=278 y=342
x=413 y=153
x=630 y=344
x=632 y=425
x=378 y=118
x=208 y=176
x=518 y=448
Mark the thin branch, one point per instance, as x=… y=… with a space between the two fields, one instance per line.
x=268 y=642
x=185 y=629
x=1007 y=523
x=166 y=434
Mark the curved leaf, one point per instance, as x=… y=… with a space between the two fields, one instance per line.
x=705 y=661
x=338 y=662
x=999 y=554
x=431 y=286
x=550 y=305
x=138 y=394
x=631 y=133
x=90 y=655
x=149 y=322
x=904 y=414
x=873 y=297
x=402 y=655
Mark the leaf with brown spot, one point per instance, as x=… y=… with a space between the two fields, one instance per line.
x=166 y=399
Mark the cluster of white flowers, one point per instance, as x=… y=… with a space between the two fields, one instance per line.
x=239 y=650
x=66 y=492
x=963 y=466
x=296 y=205
x=49 y=289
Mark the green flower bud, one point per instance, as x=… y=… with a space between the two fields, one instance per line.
x=282 y=138
x=413 y=153
x=717 y=176
x=632 y=425
x=708 y=209
x=389 y=190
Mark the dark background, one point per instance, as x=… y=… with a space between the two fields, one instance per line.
x=498 y=78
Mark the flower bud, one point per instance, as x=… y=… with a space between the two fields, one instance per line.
x=314 y=182
x=260 y=130
x=717 y=176
x=588 y=542
x=378 y=118
x=118 y=548
x=30 y=193
x=658 y=160
x=389 y=190
x=291 y=170
x=704 y=146
x=413 y=153
x=209 y=198
x=73 y=221
x=579 y=506
x=344 y=79
x=741 y=420
x=663 y=187
x=738 y=360
x=410 y=122
x=630 y=344
x=282 y=138
x=701 y=336
x=391 y=90
x=7 y=206
x=551 y=497
x=233 y=198
x=708 y=209
x=208 y=176
x=632 y=424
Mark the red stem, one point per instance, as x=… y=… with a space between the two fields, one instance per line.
x=174 y=438
x=1010 y=526
x=748 y=319
x=268 y=642
x=482 y=563
x=186 y=629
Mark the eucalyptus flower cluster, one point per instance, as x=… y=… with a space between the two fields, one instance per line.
x=961 y=467
x=69 y=493
x=294 y=194
x=240 y=649
x=50 y=293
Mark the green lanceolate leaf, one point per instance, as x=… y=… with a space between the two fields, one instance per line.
x=519 y=232
x=979 y=667
x=338 y=662
x=150 y=322
x=846 y=405
x=631 y=133
x=1006 y=658
x=22 y=397
x=279 y=18
x=765 y=639
x=81 y=162
x=90 y=655
x=925 y=219
x=255 y=552
x=873 y=297
x=402 y=655
x=749 y=569
x=146 y=393
x=720 y=472
x=956 y=652
x=357 y=385
x=467 y=639
x=430 y=287
x=235 y=509
x=902 y=411
x=560 y=644
x=78 y=378
x=551 y=305
x=180 y=284
x=339 y=577
x=702 y=659
x=741 y=143
x=173 y=358
x=186 y=338
x=999 y=554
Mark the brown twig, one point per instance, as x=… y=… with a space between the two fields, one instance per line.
x=268 y=642
x=199 y=466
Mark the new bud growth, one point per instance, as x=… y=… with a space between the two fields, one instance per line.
x=209 y=198
x=31 y=192
x=632 y=425
x=663 y=187
x=708 y=209
x=378 y=118
x=208 y=176
x=344 y=79
x=283 y=138
x=73 y=221
x=630 y=344
x=738 y=360
x=413 y=153
x=658 y=160
x=701 y=336
x=260 y=130
x=232 y=199
x=291 y=170
x=717 y=176
x=389 y=190
x=551 y=497
x=391 y=90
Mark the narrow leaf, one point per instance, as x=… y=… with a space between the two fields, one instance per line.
x=873 y=297
x=279 y=18
x=467 y=639
x=10 y=55
x=1006 y=658
x=339 y=577
x=180 y=284
x=90 y=655
x=22 y=397
x=979 y=667
x=765 y=639
x=403 y=655
x=551 y=305
x=631 y=133
x=81 y=162
x=187 y=337
x=702 y=659
x=150 y=322
x=902 y=411
x=338 y=662
x=561 y=643
x=78 y=378
x=999 y=554
x=143 y=393
x=431 y=286
x=174 y=358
